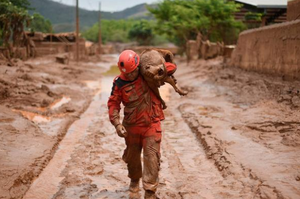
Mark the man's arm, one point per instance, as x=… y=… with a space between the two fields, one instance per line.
x=114 y=108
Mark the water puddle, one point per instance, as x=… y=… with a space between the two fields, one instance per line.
x=55 y=105
x=36 y=118
x=58 y=103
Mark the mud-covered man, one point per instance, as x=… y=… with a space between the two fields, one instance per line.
x=141 y=126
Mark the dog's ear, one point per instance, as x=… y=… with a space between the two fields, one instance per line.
x=166 y=54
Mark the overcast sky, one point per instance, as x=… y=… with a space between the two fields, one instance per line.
x=106 y=5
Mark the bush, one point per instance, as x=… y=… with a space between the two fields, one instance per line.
x=253 y=16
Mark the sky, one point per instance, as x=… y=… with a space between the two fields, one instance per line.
x=106 y=5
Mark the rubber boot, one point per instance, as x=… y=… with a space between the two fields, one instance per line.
x=134 y=186
x=150 y=195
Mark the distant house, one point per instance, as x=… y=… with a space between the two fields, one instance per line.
x=262 y=12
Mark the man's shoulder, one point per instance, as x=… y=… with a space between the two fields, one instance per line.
x=121 y=82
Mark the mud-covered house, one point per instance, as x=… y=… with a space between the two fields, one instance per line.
x=256 y=13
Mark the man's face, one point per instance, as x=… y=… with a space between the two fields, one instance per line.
x=133 y=75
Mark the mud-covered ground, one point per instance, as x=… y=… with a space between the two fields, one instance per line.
x=39 y=100
x=235 y=135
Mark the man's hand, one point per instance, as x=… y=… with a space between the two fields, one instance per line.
x=121 y=131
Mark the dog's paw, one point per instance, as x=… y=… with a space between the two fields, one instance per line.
x=181 y=92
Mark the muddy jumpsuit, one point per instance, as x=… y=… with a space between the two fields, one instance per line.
x=142 y=116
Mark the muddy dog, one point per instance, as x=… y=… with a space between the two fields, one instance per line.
x=153 y=69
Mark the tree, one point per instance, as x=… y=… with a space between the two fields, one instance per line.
x=111 y=30
x=13 y=15
x=142 y=32
x=183 y=20
x=21 y=4
x=39 y=23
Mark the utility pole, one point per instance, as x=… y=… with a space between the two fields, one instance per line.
x=100 y=38
x=51 y=36
x=77 y=32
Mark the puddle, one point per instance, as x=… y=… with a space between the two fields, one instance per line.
x=33 y=116
x=55 y=105
x=113 y=71
x=38 y=118
x=58 y=103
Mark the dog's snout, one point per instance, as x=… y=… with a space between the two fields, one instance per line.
x=161 y=71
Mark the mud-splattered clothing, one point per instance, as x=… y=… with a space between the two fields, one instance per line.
x=148 y=139
x=142 y=116
x=142 y=107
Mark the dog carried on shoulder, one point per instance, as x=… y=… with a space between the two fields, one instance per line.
x=157 y=67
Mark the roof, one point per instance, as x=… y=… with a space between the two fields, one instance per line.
x=265 y=3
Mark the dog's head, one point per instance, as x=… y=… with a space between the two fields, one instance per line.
x=152 y=64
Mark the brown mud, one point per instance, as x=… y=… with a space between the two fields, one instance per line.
x=39 y=100
x=235 y=135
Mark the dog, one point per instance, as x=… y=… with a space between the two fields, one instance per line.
x=153 y=63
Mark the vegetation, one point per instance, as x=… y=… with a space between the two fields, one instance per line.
x=13 y=16
x=111 y=30
x=125 y=31
x=40 y=24
x=253 y=16
x=182 y=20
x=142 y=32
x=25 y=4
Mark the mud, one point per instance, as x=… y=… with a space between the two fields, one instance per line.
x=248 y=125
x=39 y=100
x=235 y=135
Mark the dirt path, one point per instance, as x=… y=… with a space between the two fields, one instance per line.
x=39 y=100
x=246 y=127
x=88 y=163
x=236 y=135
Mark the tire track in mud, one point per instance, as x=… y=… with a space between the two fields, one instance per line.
x=83 y=155
x=185 y=172
x=227 y=125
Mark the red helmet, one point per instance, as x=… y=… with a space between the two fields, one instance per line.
x=128 y=61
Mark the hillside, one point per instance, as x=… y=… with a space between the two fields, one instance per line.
x=63 y=16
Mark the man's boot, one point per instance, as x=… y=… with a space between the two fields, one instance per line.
x=150 y=195
x=134 y=186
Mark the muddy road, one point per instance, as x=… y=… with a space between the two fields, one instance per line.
x=235 y=135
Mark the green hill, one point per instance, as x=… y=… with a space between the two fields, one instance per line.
x=63 y=16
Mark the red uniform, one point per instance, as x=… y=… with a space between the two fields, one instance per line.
x=142 y=116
